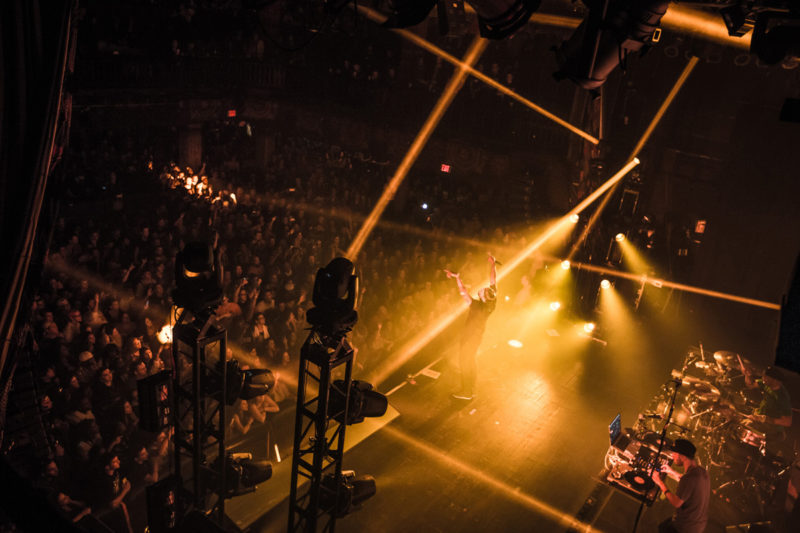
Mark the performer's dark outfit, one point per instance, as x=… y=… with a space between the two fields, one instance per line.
x=774 y=403
x=691 y=499
x=694 y=489
x=478 y=314
x=474 y=327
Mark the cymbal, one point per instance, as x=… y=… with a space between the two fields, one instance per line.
x=707 y=395
x=731 y=359
x=727 y=358
x=698 y=383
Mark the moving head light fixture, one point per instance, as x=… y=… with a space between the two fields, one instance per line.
x=363 y=402
x=335 y=297
x=246 y=384
x=612 y=31
x=775 y=25
x=242 y=474
x=198 y=277
x=497 y=19
x=348 y=495
x=776 y=36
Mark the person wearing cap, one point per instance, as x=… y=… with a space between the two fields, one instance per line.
x=478 y=314
x=692 y=496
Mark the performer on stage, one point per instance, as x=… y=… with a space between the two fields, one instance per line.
x=692 y=496
x=774 y=414
x=470 y=340
x=776 y=404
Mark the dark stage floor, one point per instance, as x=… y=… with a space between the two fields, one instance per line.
x=527 y=452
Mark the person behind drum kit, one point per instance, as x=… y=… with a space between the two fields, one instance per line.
x=775 y=409
x=692 y=496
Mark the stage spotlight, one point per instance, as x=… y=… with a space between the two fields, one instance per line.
x=424 y=206
x=514 y=343
x=350 y=493
x=242 y=474
x=335 y=296
x=164 y=335
x=246 y=384
x=565 y=264
x=620 y=237
x=589 y=327
x=775 y=37
x=555 y=306
x=605 y=284
x=198 y=277
x=604 y=40
x=363 y=402
x=497 y=19
x=574 y=218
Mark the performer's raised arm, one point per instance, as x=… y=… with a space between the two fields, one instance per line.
x=492 y=271
x=461 y=288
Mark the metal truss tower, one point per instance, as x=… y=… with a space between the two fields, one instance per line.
x=199 y=387
x=318 y=435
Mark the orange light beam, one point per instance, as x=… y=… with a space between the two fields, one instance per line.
x=638 y=148
x=416 y=39
x=456 y=81
x=633 y=258
x=677 y=286
x=709 y=25
x=419 y=341
x=687 y=70
x=513 y=493
x=352 y=216
x=679 y=18
x=563 y=221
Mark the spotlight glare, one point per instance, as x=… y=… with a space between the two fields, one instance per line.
x=424 y=206
x=165 y=335
x=555 y=306
x=508 y=298
x=565 y=264
x=574 y=218
x=620 y=237
x=514 y=343
x=605 y=284
x=589 y=327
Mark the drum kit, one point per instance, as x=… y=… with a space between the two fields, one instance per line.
x=716 y=411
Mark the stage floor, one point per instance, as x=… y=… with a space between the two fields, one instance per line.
x=525 y=454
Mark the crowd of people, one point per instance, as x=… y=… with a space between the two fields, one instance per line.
x=105 y=292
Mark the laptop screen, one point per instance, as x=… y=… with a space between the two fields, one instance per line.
x=615 y=428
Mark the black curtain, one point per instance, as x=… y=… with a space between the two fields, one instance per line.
x=34 y=48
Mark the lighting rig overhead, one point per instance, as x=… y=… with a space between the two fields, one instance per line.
x=612 y=30
x=775 y=25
